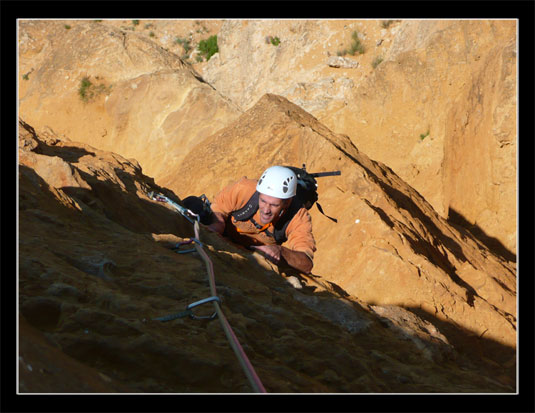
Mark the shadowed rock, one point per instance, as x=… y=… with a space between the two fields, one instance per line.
x=316 y=339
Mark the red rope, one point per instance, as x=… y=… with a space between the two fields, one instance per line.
x=248 y=368
x=233 y=340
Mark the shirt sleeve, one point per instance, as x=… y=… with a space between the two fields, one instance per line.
x=234 y=196
x=299 y=234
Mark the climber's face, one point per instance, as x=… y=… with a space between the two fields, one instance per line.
x=270 y=207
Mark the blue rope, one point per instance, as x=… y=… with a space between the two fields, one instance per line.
x=173 y=316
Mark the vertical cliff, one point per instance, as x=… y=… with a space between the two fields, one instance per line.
x=435 y=100
x=414 y=288
x=97 y=265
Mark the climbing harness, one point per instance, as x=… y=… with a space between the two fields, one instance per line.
x=246 y=365
x=259 y=227
x=279 y=227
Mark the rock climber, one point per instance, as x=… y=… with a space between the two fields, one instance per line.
x=264 y=214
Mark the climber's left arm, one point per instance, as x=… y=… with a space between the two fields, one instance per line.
x=279 y=254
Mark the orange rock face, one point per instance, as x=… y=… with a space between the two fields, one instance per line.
x=389 y=245
x=403 y=298
x=115 y=90
x=97 y=265
x=434 y=100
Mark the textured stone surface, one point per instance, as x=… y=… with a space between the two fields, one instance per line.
x=96 y=267
x=440 y=104
x=435 y=100
x=400 y=299
x=433 y=345
x=392 y=245
x=144 y=102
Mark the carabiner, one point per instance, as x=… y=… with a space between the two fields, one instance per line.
x=191 y=240
x=200 y=302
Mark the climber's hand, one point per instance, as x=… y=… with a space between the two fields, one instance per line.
x=272 y=252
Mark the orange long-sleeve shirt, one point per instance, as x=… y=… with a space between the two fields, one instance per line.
x=235 y=196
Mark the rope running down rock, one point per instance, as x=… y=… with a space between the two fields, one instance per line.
x=246 y=365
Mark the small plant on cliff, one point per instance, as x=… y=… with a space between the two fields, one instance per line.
x=85 y=84
x=355 y=47
x=386 y=23
x=377 y=61
x=275 y=41
x=208 y=47
x=185 y=43
x=26 y=76
x=88 y=90
x=202 y=29
x=424 y=135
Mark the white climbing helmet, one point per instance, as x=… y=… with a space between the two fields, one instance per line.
x=278 y=181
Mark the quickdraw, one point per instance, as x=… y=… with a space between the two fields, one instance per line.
x=189 y=311
x=246 y=365
x=184 y=211
x=176 y=248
